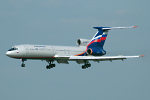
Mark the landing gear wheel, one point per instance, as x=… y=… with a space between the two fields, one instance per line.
x=22 y=65
x=51 y=65
x=47 y=67
x=86 y=65
x=83 y=67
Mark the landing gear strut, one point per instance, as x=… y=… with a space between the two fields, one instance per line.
x=86 y=65
x=51 y=65
x=23 y=64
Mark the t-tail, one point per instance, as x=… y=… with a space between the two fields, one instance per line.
x=95 y=46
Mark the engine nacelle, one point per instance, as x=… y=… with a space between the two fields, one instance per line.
x=96 y=52
x=82 y=42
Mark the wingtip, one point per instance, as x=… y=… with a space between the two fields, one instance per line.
x=141 y=56
x=135 y=26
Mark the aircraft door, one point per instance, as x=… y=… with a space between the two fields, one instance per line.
x=66 y=51
x=27 y=50
x=51 y=51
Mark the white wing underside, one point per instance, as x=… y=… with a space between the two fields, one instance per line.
x=83 y=59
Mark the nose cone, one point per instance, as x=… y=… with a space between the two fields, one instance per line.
x=8 y=53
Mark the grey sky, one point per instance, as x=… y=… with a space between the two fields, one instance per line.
x=62 y=22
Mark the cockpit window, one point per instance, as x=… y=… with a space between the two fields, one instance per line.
x=12 y=49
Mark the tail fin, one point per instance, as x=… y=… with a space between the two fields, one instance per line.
x=98 y=40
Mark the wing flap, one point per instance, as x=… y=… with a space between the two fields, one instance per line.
x=63 y=61
x=82 y=59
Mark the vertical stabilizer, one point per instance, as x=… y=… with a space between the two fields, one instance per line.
x=95 y=47
x=99 y=39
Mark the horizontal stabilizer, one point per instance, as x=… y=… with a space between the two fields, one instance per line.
x=109 y=28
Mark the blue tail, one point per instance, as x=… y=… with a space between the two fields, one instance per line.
x=95 y=47
x=99 y=39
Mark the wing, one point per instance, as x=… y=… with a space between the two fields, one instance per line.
x=82 y=59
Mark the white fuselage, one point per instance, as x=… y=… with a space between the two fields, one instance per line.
x=43 y=51
x=87 y=50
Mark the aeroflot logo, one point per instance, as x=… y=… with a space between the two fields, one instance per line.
x=39 y=46
x=85 y=42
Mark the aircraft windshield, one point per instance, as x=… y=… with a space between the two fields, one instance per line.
x=12 y=49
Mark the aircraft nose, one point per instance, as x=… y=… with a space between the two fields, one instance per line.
x=8 y=53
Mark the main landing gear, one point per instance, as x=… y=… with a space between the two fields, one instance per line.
x=86 y=65
x=51 y=65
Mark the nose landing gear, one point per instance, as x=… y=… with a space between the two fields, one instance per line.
x=23 y=64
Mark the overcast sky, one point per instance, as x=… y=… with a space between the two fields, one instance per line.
x=62 y=22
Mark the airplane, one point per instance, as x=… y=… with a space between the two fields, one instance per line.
x=87 y=50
